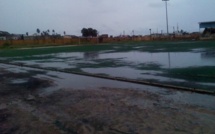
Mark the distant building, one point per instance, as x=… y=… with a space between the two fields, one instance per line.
x=16 y=36
x=29 y=37
x=3 y=38
x=210 y=24
x=104 y=35
x=35 y=34
x=4 y=35
x=209 y=29
x=69 y=36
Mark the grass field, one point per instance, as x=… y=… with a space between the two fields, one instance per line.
x=190 y=63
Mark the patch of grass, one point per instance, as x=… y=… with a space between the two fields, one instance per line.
x=6 y=45
x=191 y=85
x=103 y=63
x=73 y=69
x=148 y=66
x=116 y=47
x=27 y=58
x=198 y=74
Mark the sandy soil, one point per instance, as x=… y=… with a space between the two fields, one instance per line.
x=24 y=110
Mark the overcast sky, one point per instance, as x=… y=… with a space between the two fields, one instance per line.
x=107 y=16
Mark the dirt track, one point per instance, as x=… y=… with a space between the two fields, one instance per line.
x=23 y=109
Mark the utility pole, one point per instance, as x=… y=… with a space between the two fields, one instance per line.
x=167 y=25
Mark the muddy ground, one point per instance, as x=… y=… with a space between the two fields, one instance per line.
x=24 y=109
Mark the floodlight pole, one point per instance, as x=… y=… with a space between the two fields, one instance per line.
x=167 y=25
x=167 y=28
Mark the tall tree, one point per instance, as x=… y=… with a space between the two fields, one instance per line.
x=86 y=32
x=26 y=33
x=94 y=33
x=64 y=32
x=48 y=32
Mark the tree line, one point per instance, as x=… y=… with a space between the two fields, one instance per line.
x=89 y=32
x=86 y=32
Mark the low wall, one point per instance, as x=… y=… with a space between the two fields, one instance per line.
x=39 y=42
x=76 y=41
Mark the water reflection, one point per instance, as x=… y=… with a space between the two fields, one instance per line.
x=208 y=55
x=135 y=64
x=165 y=59
x=169 y=60
x=132 y=73
x=91 y=55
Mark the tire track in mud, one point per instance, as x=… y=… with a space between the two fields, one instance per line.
x=142 y=82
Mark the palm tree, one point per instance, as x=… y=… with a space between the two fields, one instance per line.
x=64 y=32
x=47 y=32
x=53 y=31
x=38 y=30
x=44 y=33
x=26 y=33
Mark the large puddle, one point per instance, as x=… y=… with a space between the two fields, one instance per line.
x=165 y=60
x=168 y=67
x=133 y=64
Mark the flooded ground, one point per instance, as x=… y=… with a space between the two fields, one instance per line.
x=37 y=101
x=50 y=102
x=191 y=68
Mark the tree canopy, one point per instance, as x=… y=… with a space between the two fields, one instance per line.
x=89 y=32
x=38 y=30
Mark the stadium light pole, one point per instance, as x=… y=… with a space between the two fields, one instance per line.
x=167 y=29
x=167 y=25
x=150 y=30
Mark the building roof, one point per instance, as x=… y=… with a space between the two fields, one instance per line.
x=209 y=24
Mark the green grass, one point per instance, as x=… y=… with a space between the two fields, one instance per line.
x=196 y=74
x=121 y=47
x=148 y=66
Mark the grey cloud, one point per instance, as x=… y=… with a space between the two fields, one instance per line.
x=108 y=16
x=156 y=5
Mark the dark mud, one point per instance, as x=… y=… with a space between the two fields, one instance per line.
x=104 y=110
